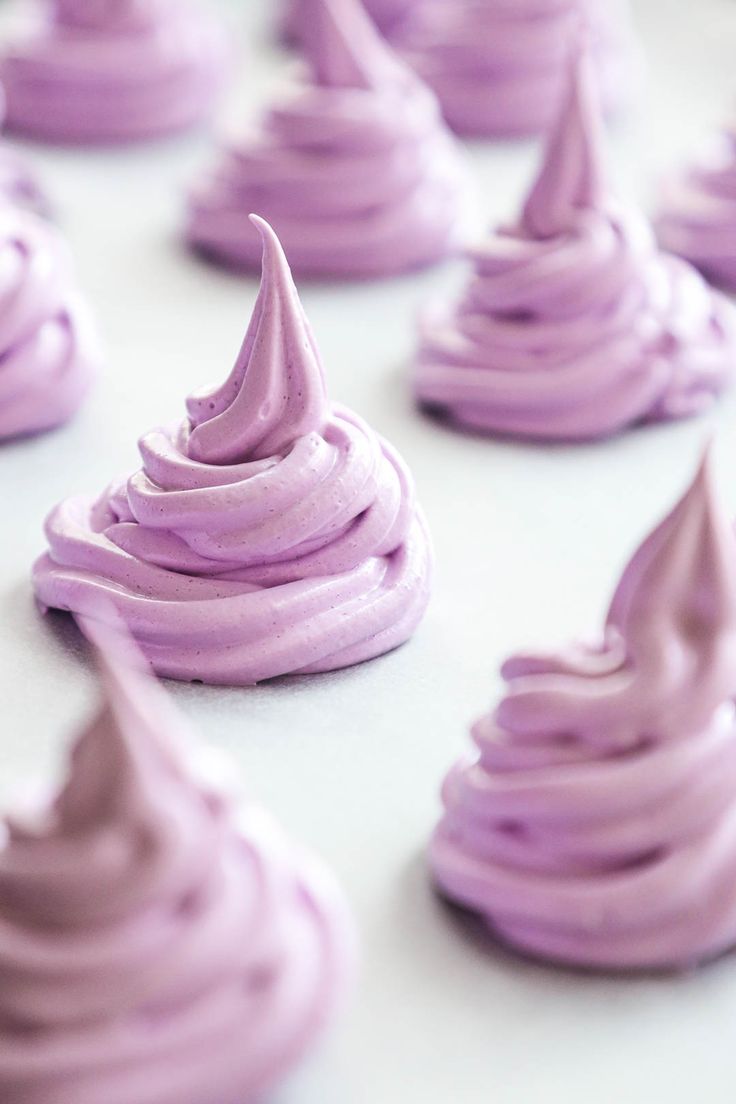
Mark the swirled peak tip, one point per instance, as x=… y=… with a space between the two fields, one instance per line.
x=572 y=174
x=129 y=742
x=681 y=583
x=342 y=45
x=276 y=391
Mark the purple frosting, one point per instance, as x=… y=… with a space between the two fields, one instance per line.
x=270 y=532
x=697 y=217
x=161 y=941
x=596 y=822
x=573 y=325
x=48 y=347
x=498 y=66
x=386 y=14
x=114 y=70
x=356 y=171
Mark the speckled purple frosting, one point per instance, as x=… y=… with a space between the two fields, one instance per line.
x=99 y=71
x=160 y=941
x=697 y=211
x=573 y=324
x=498 y=66
x=268 y=533
x=49 y=350
x=356 y=170
x=596 y=823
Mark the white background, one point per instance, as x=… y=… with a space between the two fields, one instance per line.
x=529 y=542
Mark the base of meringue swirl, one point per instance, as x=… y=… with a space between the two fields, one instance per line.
x=622 y=863
x=408 y=232
x=676 y=355
x=217 y=631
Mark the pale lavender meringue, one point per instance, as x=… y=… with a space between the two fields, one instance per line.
x=106 y=71
x=573 y=325
x=498 y=66
x=268 y=533
x=596 y=825
x=158 y=944
x=49 y=351
x=356 y=170
x=697 y=211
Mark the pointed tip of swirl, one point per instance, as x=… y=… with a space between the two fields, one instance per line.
x=571 y=177
x=273 y=257
x=276 y=391
x=684 y=572
x=342 y=44
x=132 y=738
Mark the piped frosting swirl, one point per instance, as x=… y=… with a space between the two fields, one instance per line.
x=498 y=66
x=356 y=170
x=48 y=348
x=596 y=824
x=697 y=216
x=269 y=533
x=105 y=71
x=156 y=944
x=573 y=325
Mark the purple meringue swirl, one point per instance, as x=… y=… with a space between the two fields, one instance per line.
x=356 y=171
x=574 y=326
x=106 y=71
x=697 y=216
x=48 y=348
x=597 y=823
x=498 y=66
x=156 y=945
x=269 y=533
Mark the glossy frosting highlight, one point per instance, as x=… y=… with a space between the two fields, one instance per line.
x=114 y=71
x=49 y=350
x=697 y=216
x=355 y=169
x=573 y=325
x=269 y=533
x=596 y=823
x=498 y=66
x=158 y=944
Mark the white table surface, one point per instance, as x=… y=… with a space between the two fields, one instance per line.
x=529 y=542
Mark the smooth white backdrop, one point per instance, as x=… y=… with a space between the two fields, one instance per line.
x=529 y=543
